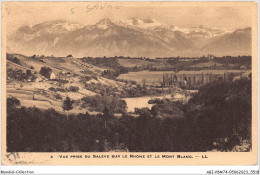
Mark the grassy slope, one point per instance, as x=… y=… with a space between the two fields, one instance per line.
x=134 y=62
x=25 y=90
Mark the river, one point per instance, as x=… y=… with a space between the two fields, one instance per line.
x=142 y=102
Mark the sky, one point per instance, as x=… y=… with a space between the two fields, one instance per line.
x=181 y=14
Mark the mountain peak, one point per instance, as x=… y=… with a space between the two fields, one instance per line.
x=131 y=37
x=137 y=21
x=50 y=23
x=243 y=31
x=56 y=26
x=148 y=20
x=104 y=23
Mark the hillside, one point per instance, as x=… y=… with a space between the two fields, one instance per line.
x=238 y=42
x=72 y=78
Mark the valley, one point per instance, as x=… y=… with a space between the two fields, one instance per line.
x=130 y=82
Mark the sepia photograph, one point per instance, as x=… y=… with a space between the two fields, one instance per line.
x=128 y=77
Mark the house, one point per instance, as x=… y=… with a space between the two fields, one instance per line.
x=210 y=57
x=52 y=76
x=38 y=79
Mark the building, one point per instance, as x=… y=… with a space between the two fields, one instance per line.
x=38 y=79
x=52 y=76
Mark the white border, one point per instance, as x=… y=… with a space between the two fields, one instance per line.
x=128 y=169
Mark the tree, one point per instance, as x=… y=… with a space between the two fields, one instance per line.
x=15 y=60
x=106 y=111
x=28 y=73
x=106 y=115
x=144 y=82
x=13 y=102
x=46 y=71
x=67 y=104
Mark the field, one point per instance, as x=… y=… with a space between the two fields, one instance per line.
x=156 y=76
x=135 y=62
x=147 y=76
x=207 y=64
x=38 y=95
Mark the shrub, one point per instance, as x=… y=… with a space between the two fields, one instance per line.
x=52 y=89
x=73 y=88
x=57 y=89
x=61 y=81
x=14 y=60
x=58 y=96
x=16 y=74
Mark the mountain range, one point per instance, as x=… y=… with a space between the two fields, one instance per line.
x=133 y=37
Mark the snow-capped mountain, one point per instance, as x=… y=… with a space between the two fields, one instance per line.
x=147 y=23
x=132 y=37
x=237 y=42
x=51 y=27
